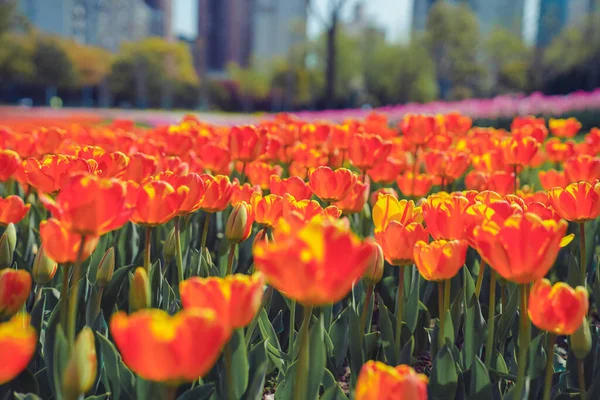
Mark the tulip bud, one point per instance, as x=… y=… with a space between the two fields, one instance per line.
x=261 y=236
x=236 y=227
x=6 y=251
x=581 y=341
x=207 y=258
x=374 y=271
x=106 y=268
x=169 y=247
x=80 y=372
x=139 y=290
x=11 y=232
x=43 y=267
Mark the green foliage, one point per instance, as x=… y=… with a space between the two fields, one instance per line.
x=509 y=61
x=52 y=63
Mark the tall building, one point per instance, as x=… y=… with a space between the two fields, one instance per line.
x=50 y=16
x=160 y=17
x=420 y=12
x=552 y=19
x=278 y=26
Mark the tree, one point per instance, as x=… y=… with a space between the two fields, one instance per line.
x=16 y=58
x=92 y=64
x=253 y=83
x=509 y=61
x=53 y=66
x=452 y=39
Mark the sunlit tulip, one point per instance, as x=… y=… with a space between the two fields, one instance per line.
x=415 y=187
x=388 y=208
x=235 y=298
x=444 y=215
x=245 y=143
x=305 y=210
x=140 y=167
x=578 y=202
x=90 y=206
x=259 y=173
x=440 y=259
x=192 y=188
x=164 y=348
x=218 y=193
x=559 y=309
x=292 y=185
x=15 y=286
x=62 y=245
x=367 y=150
x=378 y=381
x=12 y=210
x=582 y=168
x=380 y=192
x=386 y=171
x=565 y=128
x=558 y=151
x=239 y=223
x=53 y=171
x=502 y=182
x=243 y=192
x=457 y=124
x=522 y=248
x=374 y=271
x=356 y=199
x=418 y=128
x=18 y=341
x=157 y=203
x=215 y=158
x=268 y=209
x=9 y=162
x=331 y=185
x=519 y=151
x=477 y=180
x=398 y=240
x=315 y=265
x=553 y=178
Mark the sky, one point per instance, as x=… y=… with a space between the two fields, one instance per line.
x=394 y=16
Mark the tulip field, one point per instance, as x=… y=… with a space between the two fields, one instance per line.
x=370 y=259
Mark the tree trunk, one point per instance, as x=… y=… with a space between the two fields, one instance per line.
x=330 y=68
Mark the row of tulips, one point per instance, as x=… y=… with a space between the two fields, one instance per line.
x=108 y=285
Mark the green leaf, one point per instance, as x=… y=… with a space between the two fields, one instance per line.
x=339 y=334
x=198 y=393
x=28 y=396
x=104 y=396
x=258 y=364
x=120 y=378
x=111 y=291
x=508 y=316
x=96 y=258
x=49 y=345
x=448 y=330
x=268 y=334
x=387 y=333
x=444 y=376
x=411 y=308
x=61 y=358
x=480 y=386
x=331 y=389
x=317 y=359
x=354 y=340
x=537 y=360
x=407 y=352
x=474 y=328
x=239 y=362
x=455 y=310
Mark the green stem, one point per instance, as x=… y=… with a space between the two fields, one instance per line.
x=503 y=296
x=204 y=232
x=489 y=346
x=74 y=295
x=292 y=329
x=551 y=339
x=365 y=311
x=399 y=309
x=516 y=177
x=178 y=255
x=523 y=342
x=263 y=304
x=480 y=278
x=230 y=259
x=447 y=289
x=64 y=290
x=229 y=371
x=581 y=376
x=583 y=263
x=148 y=248
x=442 y=313
x=303 y=357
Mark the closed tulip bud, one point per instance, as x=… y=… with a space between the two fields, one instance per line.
x=239 y=224
x=6 y=252
x=43 y=268
x=11 y=233
x=206 y=257
x=375 y=269
x=169 y=249
x=80 y=372
x=581 y=341
x=139 y=290
x=106 y=268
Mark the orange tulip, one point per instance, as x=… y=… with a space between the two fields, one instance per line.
x=553 y=178
x=268 y=209
x=245 y=143
x=418 y=129
x=386 y=171
x=157 y=202
x=356 y=199
x=578 y=202
x=315 y=265
x=12 y=210
x=164 y=348
x=49 y=175
x=388 y=208
x=380 y=192
x=414 y=187
x=378 y=381
x=303 y=211
x=243 y=192
x=331 y=185
x=218 y=193
x=522 y=248
x=566 y=128
x=444 y=215
x=502 y=182
x=239 y=223
x=457 y=124
x=215 y=158
x=398 y=240
x=193 y=188
x=293 y=185
x=235 y=298
x=449 y=165
x=559 y=309
x=477 y=180
x=90 y=206
x=367 y=150
x=140 y=167
x=558 y=151
x=440 y=259
x=15 y=286
x=519 y=151
x=259 y=173
x=9 y=162
x=62 y=245
x=18 y=341
x=583 y=168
